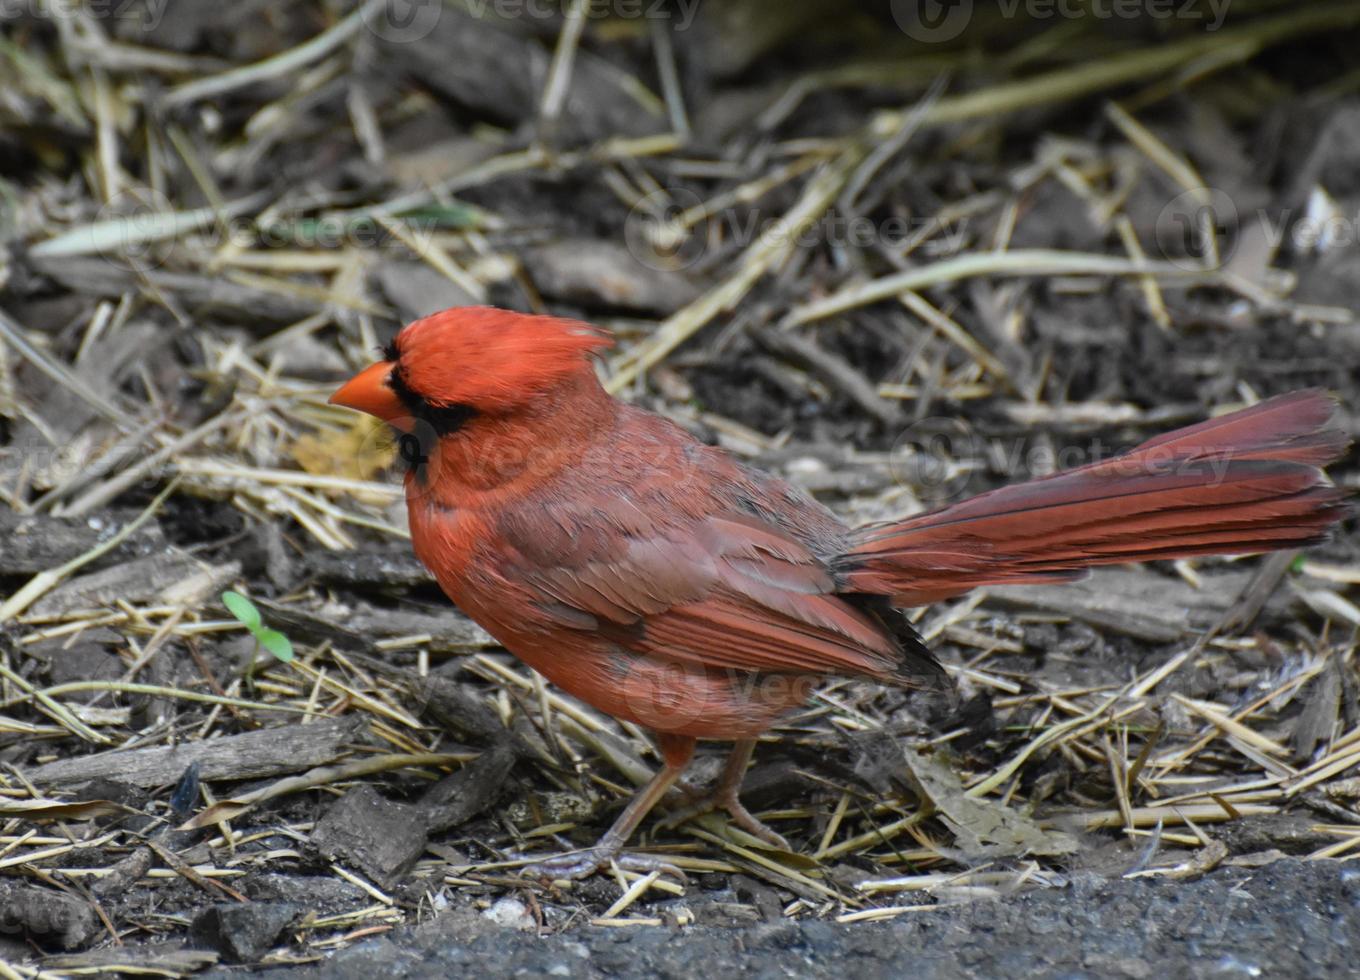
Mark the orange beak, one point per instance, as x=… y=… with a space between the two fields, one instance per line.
x=371 y=391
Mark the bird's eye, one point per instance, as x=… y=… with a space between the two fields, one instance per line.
x=447 y=419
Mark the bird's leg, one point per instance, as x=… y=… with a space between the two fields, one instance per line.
x=725 y=795
x=676 y=752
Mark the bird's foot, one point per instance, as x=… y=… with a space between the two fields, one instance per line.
x=583 y=864
x=726 y=800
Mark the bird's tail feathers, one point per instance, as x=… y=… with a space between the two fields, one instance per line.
x=1250 y=481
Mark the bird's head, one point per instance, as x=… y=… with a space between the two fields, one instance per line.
x=472 y=361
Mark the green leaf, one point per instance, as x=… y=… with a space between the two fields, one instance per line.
x=276 y=643
x=243 y=609
x=454 y=214
x=1296 y=566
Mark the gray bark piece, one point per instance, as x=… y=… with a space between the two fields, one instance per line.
x=251 y=755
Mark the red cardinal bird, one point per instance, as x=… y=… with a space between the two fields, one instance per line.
x=664 y=582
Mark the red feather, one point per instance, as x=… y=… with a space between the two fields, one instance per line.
x=663 y=582
x=1245 y=482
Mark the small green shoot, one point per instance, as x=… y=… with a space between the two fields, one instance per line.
x=248 y=616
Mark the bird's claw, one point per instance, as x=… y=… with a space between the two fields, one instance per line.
x=736 y=812
x=583 y=864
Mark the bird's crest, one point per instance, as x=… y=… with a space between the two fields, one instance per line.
x=492 y=359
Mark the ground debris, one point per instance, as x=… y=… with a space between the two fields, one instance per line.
x=37 y=542
x=380 y=837
x=417 y=290
x=371 y=568
x=881 y=266
x=48 y=915
x=606 y=275
x=243 y=932
x=510 y=913
x=459 y=797
x=982 y=828
x=1230 y=921
x=599 y=106
x=249 y=755
x=204 y=295
x=174 y=577
x=1137 y=602
x=154 y=959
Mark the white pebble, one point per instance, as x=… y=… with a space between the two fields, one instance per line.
x=510 y=913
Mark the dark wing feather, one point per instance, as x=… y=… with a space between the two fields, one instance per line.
x=723 y=591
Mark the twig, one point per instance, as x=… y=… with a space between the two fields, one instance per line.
x=277 y=65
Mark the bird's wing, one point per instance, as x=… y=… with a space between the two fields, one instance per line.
x=721 y=591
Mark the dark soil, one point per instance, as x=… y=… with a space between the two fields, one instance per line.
x=1292 y=918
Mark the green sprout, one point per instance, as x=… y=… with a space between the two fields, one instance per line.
x=248 y=616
